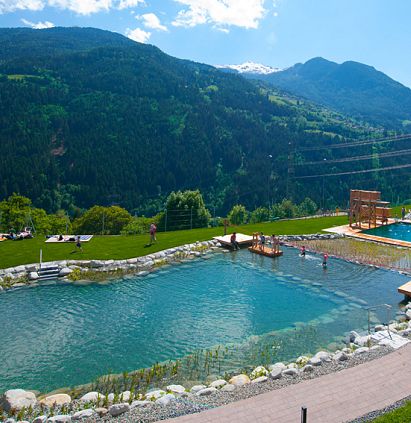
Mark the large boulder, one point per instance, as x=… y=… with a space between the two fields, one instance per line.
x=58 y=399
x=140 y=404
x=240 y=380
x=154 y=395
x=117 y=409
x=33 y=276
x=197 y=388
x=291 y=372
x=258 y=371
x=65 y=271
x=260 y=379
x=166 y=399
x=176 y=389
x=16 y=399
x=228 y=388
x=206 y=391
x=218 y=383
x=91 y=397
x=276 y=373
x=62 y=418
x=84 y=414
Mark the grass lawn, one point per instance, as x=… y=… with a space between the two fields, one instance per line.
x=396 y=211
x=14 y=253
x=401 y=415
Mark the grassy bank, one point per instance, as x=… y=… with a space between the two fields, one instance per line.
x=401 y=415
x=14 y=253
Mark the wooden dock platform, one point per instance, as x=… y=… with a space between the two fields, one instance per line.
x=405 y=289
x=243 y=240
x=265 y=251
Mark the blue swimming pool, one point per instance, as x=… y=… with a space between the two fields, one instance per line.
x=400 y=231
x=66 y=334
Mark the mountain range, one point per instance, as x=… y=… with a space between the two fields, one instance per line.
x=91 y=117
x=351 y=88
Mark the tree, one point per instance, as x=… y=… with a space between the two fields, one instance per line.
x=261 y=214
x=307 y=207
x=185 y=210
x=15 y=212
x=238 y=215
x=102 y=220
x=285 y=209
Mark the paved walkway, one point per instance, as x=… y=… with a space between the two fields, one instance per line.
x=334 y=398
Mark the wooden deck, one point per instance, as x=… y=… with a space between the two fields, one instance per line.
x=243 y=240
x=265 y=251
x=405 y=289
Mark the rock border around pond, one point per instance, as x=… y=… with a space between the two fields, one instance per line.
x=175 y=400
x=27 y=275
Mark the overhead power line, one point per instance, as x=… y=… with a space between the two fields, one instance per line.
x=358 y=158
x=381 y=169
x=359 y=143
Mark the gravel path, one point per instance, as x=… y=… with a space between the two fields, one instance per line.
x=195 y=404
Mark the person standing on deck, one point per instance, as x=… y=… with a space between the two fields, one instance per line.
x=262 y=241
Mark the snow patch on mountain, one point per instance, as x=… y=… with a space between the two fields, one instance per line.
x=250 y=67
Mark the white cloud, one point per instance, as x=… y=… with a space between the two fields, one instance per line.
x=82 y=7
x=38 y=25
x=150 y=20
x=126 y=4
x=13 y=5
x=241 y=13
x=138 y=35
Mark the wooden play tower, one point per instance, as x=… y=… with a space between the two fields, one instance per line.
x=366 y=207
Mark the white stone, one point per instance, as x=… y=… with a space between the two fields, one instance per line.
x=125 y=396
x=361 y=350
x=228 y=388
x=322 y=355
x=91 y=397
x=176 y=389
x=206 y=391
x=33 y=276
x=291 y=372
x=280 y=365
x=84 y=414
x=140 y=404
x=362 y=341
x=307 y=368
x=110 y=397
x=117 y=409
x=197 y=388
x=276 y=373
x=62 y=418
x=166 y=399
x=153 y=395
x=259 y=371
x=65 y=271
x=240 y=380
x=16 y=399
x=218 y=383
x=260 y=379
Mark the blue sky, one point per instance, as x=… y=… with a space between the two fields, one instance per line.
x=278 y=33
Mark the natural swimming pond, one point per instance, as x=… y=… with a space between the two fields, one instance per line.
x=259 y=308
x=400 y=231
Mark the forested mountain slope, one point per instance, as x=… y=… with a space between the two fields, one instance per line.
x=351 y=88
x=91 y=117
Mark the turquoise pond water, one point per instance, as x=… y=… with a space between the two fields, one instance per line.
x=401 y=231
x=64 y=334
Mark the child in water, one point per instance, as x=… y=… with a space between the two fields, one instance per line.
x=325 y=258
x=302 y=252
